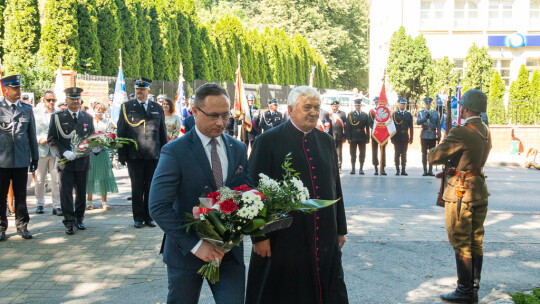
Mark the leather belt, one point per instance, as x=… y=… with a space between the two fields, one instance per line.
x=467 y=174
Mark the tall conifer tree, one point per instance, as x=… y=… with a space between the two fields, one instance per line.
x=200 y=61
x=146 y=67
x=2 y=7
x=129 y=37
x=109 y=36
x=60 y=34
x=184 y=43
x=90 y=54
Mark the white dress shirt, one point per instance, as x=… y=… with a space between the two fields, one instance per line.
x=71 y=113
x=222 y=153
x=143 y=103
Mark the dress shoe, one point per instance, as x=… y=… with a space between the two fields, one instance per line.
x=361 y=172
x=24 y=234
x=57 y=211
x=129 y=198
x=404 y=173
x=397 y=172
x=425 y=173
x=69 y=230
x=430 y=173
x=353 y=171
x=150 y=223
x=39 y=210
x=81 y=226
x=3 y=236
x=138 y=224
x=383 y=172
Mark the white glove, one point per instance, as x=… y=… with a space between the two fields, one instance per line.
x=69 y=155
x=96 y=150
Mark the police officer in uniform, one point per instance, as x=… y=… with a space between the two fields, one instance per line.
x=66 y=129
x=357 y=134
x=18 y=153
x=143 y=121
x=248 y=137
x=466 y=149
x=272 y=117
x=430 y=134
x=338 y=119
x=375 y=144
x=403 y=121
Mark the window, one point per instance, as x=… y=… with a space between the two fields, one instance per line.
x=431 y=14
x=503 y=67
x=534 y=13
x=466 y=14
x=500 y=13
x=458 y=67
x=532 y=64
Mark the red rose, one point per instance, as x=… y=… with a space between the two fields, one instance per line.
x=242 y=188
x=259 y=194
x=112 y=135
x=214 y=196
x=228 y=206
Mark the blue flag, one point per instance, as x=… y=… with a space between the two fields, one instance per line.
x=180 y=107
x=120 y=96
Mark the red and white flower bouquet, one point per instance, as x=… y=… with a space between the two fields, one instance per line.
x=224 y=217
x=82 y=147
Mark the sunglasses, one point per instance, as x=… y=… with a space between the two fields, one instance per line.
x=50 y=100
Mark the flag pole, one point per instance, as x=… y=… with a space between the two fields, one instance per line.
x=242 y=135
x=120 y=56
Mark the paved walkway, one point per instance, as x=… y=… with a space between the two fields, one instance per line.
x=392 y=256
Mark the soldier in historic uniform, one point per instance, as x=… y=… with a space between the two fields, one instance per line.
x=248 y=137
x=18 y=153
x=338 y=119
x=403 y=121
x=143 y=121
x=375 y=144
x=67 y=129
x=465 y=151
x=430 y=134
x=357 y=134
x=272 y=117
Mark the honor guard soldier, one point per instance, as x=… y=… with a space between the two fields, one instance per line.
x=430 y=134
x=66 y=130
x=338 y=119
x=143 y=121
x=249 y=137
x=403 y=121
x=465 y=151
x=357 y=134
x=375 y=144
x=272 y=117
x=18 y=153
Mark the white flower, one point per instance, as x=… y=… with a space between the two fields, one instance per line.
x=243 y=213
x=202 y=217
x=297 y=183
x=249 y=197
x=259 y=205
x=267 y=183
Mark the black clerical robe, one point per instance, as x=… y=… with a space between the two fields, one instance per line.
x=305 y=266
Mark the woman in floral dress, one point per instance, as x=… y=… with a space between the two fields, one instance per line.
x=172 y=122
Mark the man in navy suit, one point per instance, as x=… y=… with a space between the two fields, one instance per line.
x=190 y=167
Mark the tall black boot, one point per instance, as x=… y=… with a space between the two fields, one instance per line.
x=397 y=170
x=376 y=171
x=403 y=172
x=464 y=289
x=382 y=171
x=430 y=173
x=477 y=261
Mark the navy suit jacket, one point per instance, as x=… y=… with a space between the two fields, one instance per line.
x=182 y=176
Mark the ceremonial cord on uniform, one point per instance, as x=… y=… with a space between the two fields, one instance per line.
x=142 y=121
x=60 y=131
x=352 y=123
x=395 y=121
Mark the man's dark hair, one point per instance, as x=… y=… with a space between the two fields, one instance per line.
x=208 y=89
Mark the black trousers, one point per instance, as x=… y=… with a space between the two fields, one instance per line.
x=400 y=148
x=19 y=176
x=67 y=181
x=360 y=145
x=141 y=172
x=375 y=153
x=426 y=145
x=339 y=150
x=440 y=110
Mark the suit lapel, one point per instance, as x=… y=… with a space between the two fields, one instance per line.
x=200 y=155
x=230 y=157
x=138 y=107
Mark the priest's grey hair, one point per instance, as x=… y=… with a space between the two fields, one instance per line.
x=302 y=91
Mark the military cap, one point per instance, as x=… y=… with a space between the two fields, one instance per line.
x=403 y=100
x=151 y=97
x=13 y=81
x=73 y=93
x=251 y=97
x=161 y=97
x=428 y=100
x=474 y=100
x=376 y=99
x=357 y=102
x=142 y=83
x=273 y=101
x=131 y=96
x=335 y=102
x=25 y=97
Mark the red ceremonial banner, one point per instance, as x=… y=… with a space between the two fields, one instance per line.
x=383 y=125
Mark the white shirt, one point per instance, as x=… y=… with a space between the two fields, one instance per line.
x=222 y=153
x=71 y=113
x=11 y=103
x=471 y=118
x=143 y=103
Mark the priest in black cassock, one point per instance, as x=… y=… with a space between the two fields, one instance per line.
x=302 y=263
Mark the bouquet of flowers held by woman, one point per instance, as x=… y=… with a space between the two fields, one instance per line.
x=106 y=141
x=225 y=216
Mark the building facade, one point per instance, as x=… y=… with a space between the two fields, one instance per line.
x=510 y=30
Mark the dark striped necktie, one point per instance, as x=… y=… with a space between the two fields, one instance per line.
x=216 y=164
